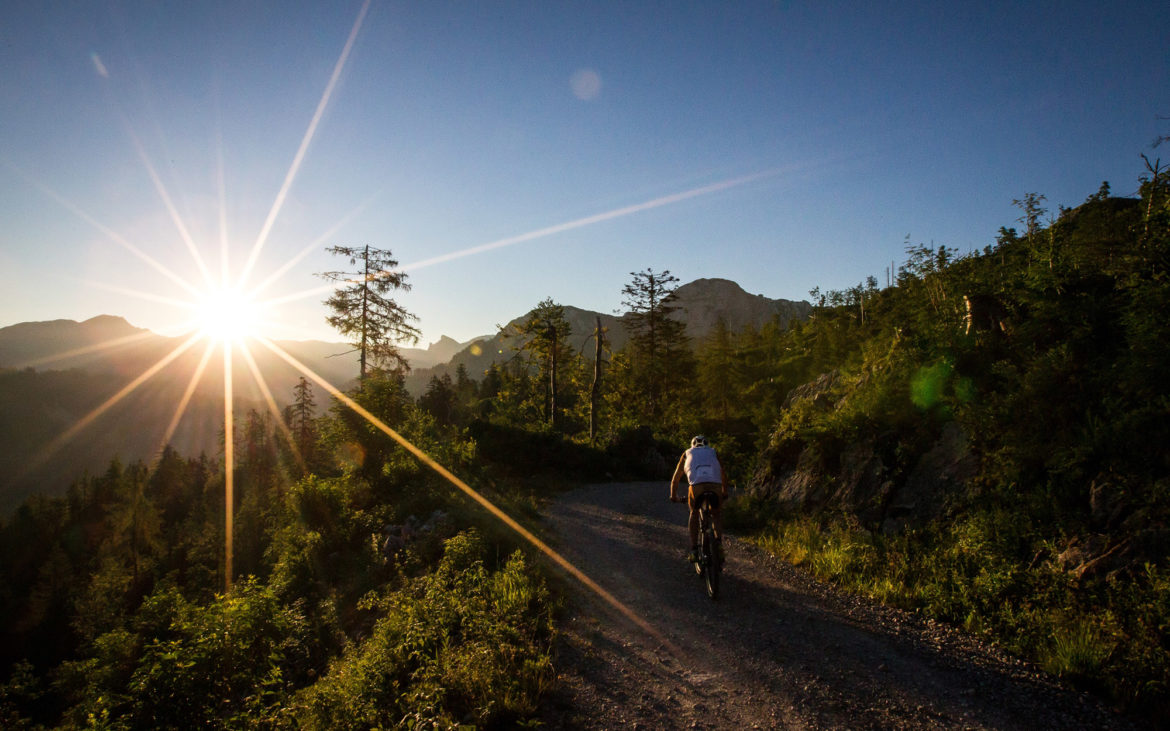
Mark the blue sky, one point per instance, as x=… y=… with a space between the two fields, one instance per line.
x=823 y=134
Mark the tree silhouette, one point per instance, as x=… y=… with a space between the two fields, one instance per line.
x=655 y=337
x=300 y=418
x=363 y=312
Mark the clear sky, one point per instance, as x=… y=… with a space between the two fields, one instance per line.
x=783 y=145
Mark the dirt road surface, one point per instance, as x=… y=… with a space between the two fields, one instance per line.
x=777 y=650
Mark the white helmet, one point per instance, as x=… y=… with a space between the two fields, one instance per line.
x=699 y=441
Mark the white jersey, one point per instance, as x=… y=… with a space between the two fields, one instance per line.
x=702 y=465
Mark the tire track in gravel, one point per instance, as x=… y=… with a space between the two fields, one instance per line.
x=778 y=650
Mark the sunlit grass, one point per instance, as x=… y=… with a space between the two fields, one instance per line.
x=1079 y=647
x=959 y=573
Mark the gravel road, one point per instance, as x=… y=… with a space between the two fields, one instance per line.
x=777 y=650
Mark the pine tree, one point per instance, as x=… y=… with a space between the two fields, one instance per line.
x=363 y=311
x=137 y=524
x=595 y=386
x=658 y=341
x=716 y=366
x=299 y=417
x=439 y=400
x=544 y=334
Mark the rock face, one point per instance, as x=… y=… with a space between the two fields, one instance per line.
x=440 y=351
x=703 y=302
x=942 y=473
x=854 y=478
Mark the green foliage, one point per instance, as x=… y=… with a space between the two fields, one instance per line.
x=965 y=574
x=200 y=665
x=461 y=645
x=111 y=619
x=659 y=352
x=544 y=335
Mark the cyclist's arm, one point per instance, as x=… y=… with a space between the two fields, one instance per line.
x=677 y=478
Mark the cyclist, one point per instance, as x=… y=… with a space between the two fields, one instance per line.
x=704 y=474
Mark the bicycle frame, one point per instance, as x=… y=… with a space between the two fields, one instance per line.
x=708 y=565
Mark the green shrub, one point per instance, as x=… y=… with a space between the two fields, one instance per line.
x=461 y=645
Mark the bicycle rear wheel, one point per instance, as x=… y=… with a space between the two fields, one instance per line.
x=710 y=565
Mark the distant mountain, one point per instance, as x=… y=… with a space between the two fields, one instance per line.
x=52 y=374
x=701 y=304
x=704 y=302
x=31 y=343
x=440 y=351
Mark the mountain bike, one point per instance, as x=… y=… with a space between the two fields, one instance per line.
x=710 y=559
x=710 y=563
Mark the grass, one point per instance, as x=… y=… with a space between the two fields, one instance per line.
x=1111 y=637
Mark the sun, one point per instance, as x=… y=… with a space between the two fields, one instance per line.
x=227 y=315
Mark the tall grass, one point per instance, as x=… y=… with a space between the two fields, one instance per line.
x=1109 y=636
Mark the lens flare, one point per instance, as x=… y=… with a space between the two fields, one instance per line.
x=471 y=492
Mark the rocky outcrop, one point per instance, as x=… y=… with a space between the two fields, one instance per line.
x=940 y=475
x=855 y=477
x=704 y=302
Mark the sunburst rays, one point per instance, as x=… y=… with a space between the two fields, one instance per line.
x=52 y=447
x=303 y=149
x=229 y=464
x=229 y=346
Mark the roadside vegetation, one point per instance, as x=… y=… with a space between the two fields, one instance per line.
x=1026 y=384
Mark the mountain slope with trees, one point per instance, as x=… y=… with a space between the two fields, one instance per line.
x=702 y=305
x=987 y=443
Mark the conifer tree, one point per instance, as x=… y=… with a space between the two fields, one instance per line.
x=299 y=416
x=363 y=311
x=439 y=400
x=716 y=366
x=595 y=386
x=543 y=334
x=658 y=341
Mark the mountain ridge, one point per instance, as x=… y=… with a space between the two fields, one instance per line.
x=55 y=372
x=701 y=304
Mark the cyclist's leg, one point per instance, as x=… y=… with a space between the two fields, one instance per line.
x=693 y=523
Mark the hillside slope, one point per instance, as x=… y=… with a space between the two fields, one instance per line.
x=987 y=444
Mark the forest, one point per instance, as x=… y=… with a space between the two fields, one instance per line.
x=365 y=591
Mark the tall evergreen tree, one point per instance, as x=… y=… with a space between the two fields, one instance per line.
x=440 y=399
x=136 y=521
x=595 y=385
x=544 y=334
x=657 y=340
x=363 y=312
x=300 y=418
x=716 y=372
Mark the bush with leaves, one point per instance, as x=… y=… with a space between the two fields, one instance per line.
x=460 y=645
